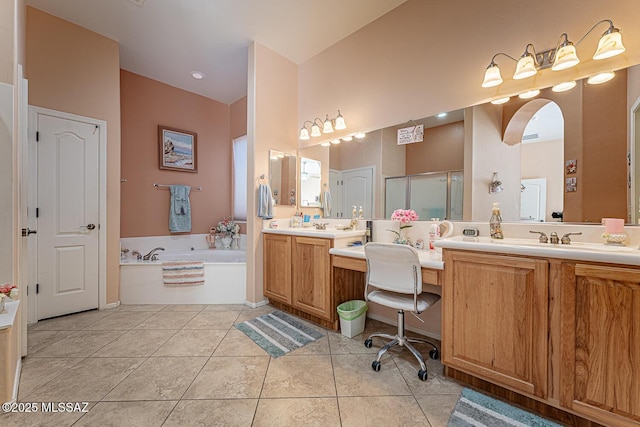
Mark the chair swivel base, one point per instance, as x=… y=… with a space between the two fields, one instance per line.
x=400 y=339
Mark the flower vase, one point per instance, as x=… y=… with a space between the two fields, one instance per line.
x=217 y=242
x=402 y=238
x=226 y=242
x=2 y=305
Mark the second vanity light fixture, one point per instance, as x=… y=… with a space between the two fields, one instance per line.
x=562 y=57
x=327 y=126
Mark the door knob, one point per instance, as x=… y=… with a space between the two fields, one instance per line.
x=27 y=231
x=91 y=226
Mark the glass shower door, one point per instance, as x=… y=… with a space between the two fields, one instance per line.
x=429 y=195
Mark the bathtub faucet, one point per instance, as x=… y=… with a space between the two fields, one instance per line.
x=152 y=254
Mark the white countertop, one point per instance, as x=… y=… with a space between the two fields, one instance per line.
x=329 y=233
x=428 y=259
x=579 y=251
x=8 y=316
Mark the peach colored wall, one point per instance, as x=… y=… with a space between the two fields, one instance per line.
x=238 y=126
x=146 y=104
x=425 y=56
x=441 y=150
x=272 y=103
x=74 y=70
x=7 y=46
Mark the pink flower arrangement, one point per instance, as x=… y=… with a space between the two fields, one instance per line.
x=7 y=290
x=404 y=216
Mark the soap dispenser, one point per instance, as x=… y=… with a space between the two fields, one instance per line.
x=495 y=225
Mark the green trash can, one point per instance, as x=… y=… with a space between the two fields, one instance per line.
x=352 y=316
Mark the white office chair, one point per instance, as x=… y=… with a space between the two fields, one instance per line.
x=394 y=273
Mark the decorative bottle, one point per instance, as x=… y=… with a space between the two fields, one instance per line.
x=360 y=213
x=495 y=225
x=434 y=232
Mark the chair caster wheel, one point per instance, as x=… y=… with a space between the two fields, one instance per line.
x=422 y=375
x=368 y=342
x=434 y=354
x=375 y=366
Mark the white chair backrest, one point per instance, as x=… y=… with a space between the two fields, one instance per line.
x=393 y=267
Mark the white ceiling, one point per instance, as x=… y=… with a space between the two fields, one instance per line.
x=167 y=39
x=546 y=125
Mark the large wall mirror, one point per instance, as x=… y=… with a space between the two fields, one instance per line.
x=572 y=146
x=282 y=177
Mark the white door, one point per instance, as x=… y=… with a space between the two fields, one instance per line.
x=68 y=195
x=533 y=200
x=336 y=194
x=357 y=190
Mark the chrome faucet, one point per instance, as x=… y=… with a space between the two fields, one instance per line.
x=152 y=254
x=554 y=238
x=543 y=237
x=566 y=240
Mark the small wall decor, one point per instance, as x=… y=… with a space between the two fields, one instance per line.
x=178 y=149
x=571 y=185
x=571 y=166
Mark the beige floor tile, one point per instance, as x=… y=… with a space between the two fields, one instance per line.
x=252 y=313
x=229 y=377
x=121 y=320
x=79 y=344
x=192 y=342
x=339 y=344
x=118 y=414
x=135 y=343
x=89 y=380
x=226 y=307
x=213 y=320
x=224 y=413
x=236 y=343
x=167 y=320
x=299 y=376
x=436 y=382
x=72 y=322
x=318 y=412
x=36 y=372
x=381 y=411
x=141 y=307
x=37 y=340
x=438 y=408
x=42 y=419
x=159 y=378
x=354 y=376
x=317 y=347
x=184 y=307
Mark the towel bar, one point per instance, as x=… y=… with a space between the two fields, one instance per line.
x=168 y=186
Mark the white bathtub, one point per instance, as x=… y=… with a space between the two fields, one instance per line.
x=225 y=274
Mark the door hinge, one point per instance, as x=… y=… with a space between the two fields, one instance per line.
x=37 y=212
x=37 y=288
x=27 y=291
x=37 y=136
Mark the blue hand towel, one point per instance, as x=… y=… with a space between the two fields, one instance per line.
x=265 y=202
x=180 y=210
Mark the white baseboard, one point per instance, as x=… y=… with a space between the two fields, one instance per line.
x=110 y=305
x=256 y=304
x=393 y=322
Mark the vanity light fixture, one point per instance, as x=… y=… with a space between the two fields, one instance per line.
x=500 y=100
x=337 y=123
x=564 y=86
x=601 y=78
x=529 y=94
x=564 y=56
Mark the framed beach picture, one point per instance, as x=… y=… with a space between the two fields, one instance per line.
x=177 y=149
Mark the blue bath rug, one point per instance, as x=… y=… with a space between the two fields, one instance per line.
x=476 y=409
x=278 y=333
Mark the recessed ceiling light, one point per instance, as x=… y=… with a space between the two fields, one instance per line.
x=360 y=135
x=601 y=78
x=562 y=87
x=198 y=75
x=137 y=2
x=326 y=144
x=441 y=115
x=335 y=141
x=500 y=100
x=529 y=94
x=347 y=138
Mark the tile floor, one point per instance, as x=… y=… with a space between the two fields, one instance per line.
x=186 y=365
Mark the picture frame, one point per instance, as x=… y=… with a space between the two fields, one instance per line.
x=177 y=149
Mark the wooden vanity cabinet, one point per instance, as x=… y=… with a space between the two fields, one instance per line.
x=297 y=278
x=277 y=267
x=495 y=319
x=600 y=342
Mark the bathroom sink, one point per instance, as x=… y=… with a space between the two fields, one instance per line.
x=573 y=246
